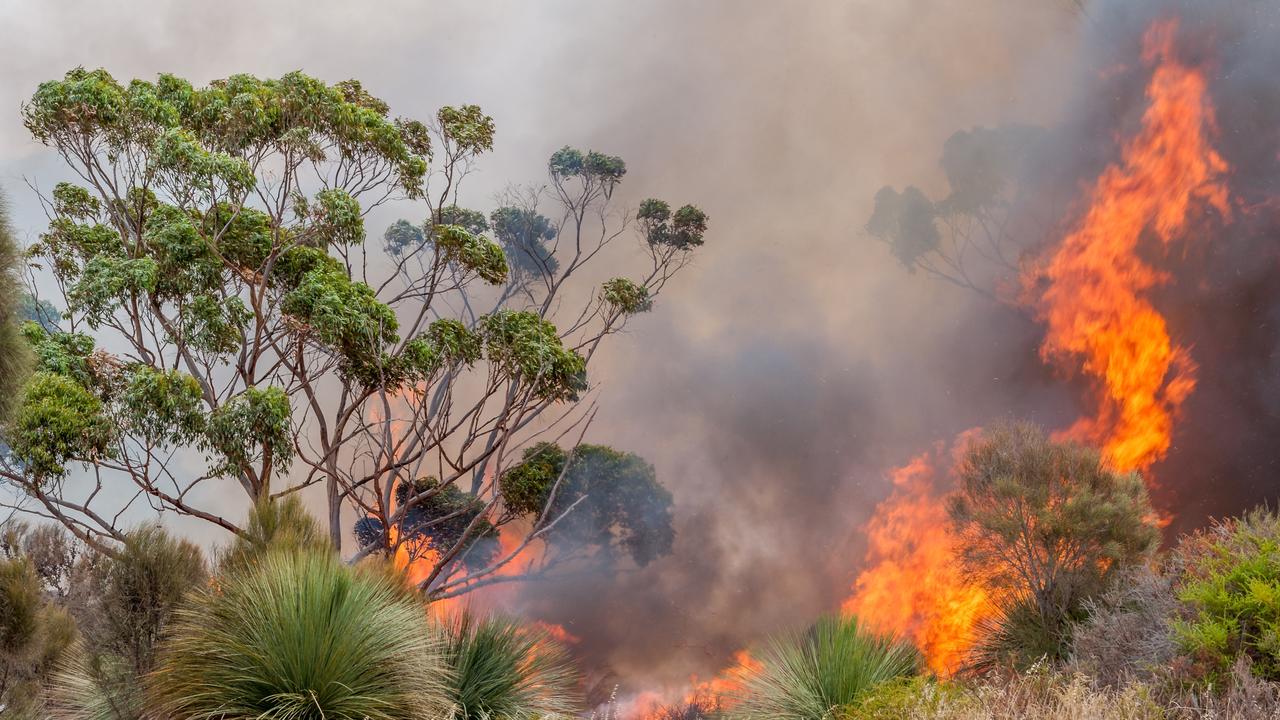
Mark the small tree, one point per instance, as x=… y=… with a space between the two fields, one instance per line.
x=225 y=308
x=1044 y=524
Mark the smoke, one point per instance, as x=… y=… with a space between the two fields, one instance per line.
x=778 y=379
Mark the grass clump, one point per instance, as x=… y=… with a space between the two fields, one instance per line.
x=504 y=670
x=298 y=635
x=816 y=674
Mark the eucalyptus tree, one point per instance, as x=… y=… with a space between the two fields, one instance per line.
x=230 y=327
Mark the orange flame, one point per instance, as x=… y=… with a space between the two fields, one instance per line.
x=912 y=586
x=1091 y=296
x=722 y=689
x=1093 y=303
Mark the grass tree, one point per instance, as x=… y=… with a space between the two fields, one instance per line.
x=820 y=673
x=231 y=325
x=298 y=634
x=505 y=670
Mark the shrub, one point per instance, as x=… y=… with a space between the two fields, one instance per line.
x=1044 y=524
x=299 y=635
x=1128 y=634
x=815 y=674
x=503 y=670
x=1230 y=583
x=33 y=634
x=123 y=603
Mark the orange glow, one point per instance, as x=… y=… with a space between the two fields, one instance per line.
x=722 y=688
x=912 y=586
x=1091 y=291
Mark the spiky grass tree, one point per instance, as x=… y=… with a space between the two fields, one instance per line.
x=298 y=635
x=816 y=674
x=505 y=670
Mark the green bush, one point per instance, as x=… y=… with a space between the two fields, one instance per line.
x=815 y=675
x=33 y=634
x=301 y=636
x=503 y=670
x=1230 y=584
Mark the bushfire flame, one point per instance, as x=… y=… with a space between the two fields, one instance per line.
x=1092 y=300
x=913 y=587
x=1091 y=294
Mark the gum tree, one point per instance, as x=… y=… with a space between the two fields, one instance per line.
x=230 y=328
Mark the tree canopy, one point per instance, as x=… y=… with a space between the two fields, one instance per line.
x=227 y=323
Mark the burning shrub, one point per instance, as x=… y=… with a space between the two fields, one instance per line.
x=1044 y=524
x=1231 y=585
x=819 y=673
x=437 y=522
x=301 y=635
x=502 y=669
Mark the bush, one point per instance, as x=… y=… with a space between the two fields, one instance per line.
x=1044 y=525
x=1128 y=634
x=300 y=635
x=1230 y=583
x=815 y=674
x=123 y=603
x=508 y=671
x=33 y=634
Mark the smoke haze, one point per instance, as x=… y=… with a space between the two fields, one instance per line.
x=779 y=377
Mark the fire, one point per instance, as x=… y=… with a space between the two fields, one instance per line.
x=1090 y=292
x=1093 y=302
x=912 y=586
x=722 y=689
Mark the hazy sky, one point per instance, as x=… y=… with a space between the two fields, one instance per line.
x=778 y=377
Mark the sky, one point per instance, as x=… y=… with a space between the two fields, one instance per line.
x=778 y=377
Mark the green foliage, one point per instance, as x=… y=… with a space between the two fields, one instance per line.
x=1230 y=584
x=503 y=670
x=107 y=281
x=403 y=237
x=473 y=253
x=525 y=346
x=300 y=635
x=467 y=127
x=1018 y=636
x=58 y=422
x=816 y=674
x=616 y=500
x=590 y=167
x=910 y=697
x=60 y=353
x=163 y=406
x=337 y=219
x=682 y=230
x=625 y=296
x=1045 y=524
x=282 y=525
x=253 y=426
x=344 y=314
